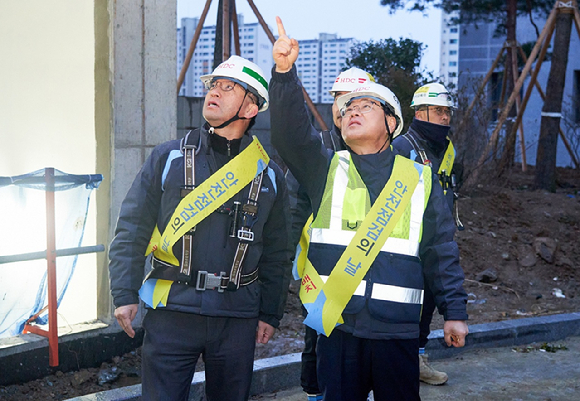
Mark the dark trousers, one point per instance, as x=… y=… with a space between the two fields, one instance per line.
x=173 y=343
x=426 y=316
x=349 y=367
x=308 y=378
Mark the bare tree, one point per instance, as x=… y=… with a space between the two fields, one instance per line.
x=551 y=112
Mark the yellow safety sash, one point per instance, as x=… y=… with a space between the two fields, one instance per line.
x=302 y=250
x=447 y=163
x=207 y=197
x=326 y=301
x=196 y=206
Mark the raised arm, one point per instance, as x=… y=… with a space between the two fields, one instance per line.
x=293 y=135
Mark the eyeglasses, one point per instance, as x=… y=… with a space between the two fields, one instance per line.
x=224 y=85
x=364 y=107
x=442 y=111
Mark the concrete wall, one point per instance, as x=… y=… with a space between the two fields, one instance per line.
x=47 y=112
x=136 y=90
x=86 y=87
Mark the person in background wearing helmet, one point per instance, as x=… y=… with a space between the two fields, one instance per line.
x=378 y=230
x=212 y=208
x=427 y=142
x=300 y=211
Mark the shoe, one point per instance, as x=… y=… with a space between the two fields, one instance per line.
x=314 y=397
x=429 y=375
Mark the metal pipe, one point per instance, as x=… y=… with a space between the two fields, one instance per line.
x=22 y=257
x=192 y=45
x=236 y=29
x=51 y=268
x=226 y=29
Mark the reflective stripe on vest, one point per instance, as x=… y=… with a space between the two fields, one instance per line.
x=332 y=222
x=384 y=292
x=325 y=302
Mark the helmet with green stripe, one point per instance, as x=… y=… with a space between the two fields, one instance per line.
x=432 y=94
x=244 y=72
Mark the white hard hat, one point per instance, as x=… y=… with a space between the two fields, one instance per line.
x=242 y=71
x=350 y=79
x=380 y=93
x=432 y=94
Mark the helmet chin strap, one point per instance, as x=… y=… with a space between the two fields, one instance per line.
x=389 y=135
x=234 y=118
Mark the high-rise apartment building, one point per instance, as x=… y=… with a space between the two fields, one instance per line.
x=320 y=60
x=254 y=46
x=449 y=60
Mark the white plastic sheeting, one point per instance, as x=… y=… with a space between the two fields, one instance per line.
x=23 y=284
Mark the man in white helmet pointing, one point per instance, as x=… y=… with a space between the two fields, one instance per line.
x=300 y=210
x=427 y=142
x=211 y=209
x=377 y=233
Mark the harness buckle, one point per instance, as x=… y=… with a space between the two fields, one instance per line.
x=209 y=281
x=245 y=234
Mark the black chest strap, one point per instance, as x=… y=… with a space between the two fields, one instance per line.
x=243 y=221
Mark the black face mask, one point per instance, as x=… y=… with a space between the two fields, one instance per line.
x=433 y=132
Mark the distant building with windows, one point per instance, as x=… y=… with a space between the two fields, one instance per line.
x=254 y=46
x=449 y=60
x=319 y=63
x=477 y=49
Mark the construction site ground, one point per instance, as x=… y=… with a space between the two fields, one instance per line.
x=521 y=259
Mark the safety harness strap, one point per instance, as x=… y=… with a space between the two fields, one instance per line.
x=444 y=173
x=419 y=149
x=245 y=234
x=189 y=185
x=208 y=197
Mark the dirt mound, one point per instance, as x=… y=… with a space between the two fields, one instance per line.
x=519 y=251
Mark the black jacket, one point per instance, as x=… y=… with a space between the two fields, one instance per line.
x=151 y=201
x=300 y=208
x=435 y=150
x=300 y=147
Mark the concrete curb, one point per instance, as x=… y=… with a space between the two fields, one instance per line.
x=281 y=372
x=25 y=357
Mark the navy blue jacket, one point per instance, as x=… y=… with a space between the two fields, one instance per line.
x=151 y=201
x=300 y=147
x=435 y=150
x=300 y=209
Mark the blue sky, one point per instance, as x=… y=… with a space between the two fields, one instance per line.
x=363 y=20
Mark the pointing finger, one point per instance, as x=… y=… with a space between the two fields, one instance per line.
x=281 y=30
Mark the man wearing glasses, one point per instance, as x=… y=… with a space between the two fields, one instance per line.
x=427 y=142
x=300 y=211
x=377 y=232
x=211 y=208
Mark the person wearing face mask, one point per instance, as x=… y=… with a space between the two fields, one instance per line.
x=211 y=208
x=379 y=229
x=427 y=142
